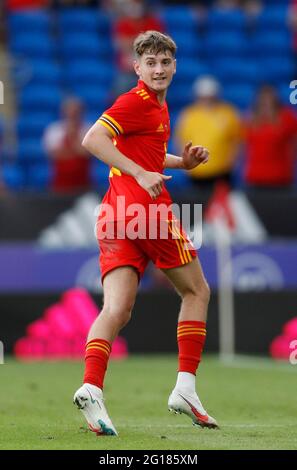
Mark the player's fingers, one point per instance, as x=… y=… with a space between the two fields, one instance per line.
x=205 y=155
x=156 y=189
x=188 y=146
x=166 y=177
x=152 y=194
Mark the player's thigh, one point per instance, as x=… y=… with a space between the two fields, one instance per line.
x=120 y=289
x=188 y=278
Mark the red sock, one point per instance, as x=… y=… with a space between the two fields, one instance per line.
x=190 y=338
x=96 y=358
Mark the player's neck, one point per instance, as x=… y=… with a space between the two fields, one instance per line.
x=161 y=97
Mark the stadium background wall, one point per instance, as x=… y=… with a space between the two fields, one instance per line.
x=259 y=319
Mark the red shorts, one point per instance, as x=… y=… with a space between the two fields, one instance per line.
x=169 y=248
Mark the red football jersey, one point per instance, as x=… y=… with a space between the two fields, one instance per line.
x=141 y=129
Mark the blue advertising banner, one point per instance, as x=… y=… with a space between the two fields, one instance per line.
x=28 y=268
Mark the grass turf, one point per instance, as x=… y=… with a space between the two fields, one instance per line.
x=254 y=402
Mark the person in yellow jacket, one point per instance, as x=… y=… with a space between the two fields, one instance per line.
x=214 y=124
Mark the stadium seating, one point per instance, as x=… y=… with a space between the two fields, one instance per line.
x=225 y=43
x=241 y=94
x=265 y=43
x=188 y=69
x=14 y=175
x=39 y=175
x=274 y=17
x=45 y=72
x=29 y=21
x=33 y=44
x=31 y=150
x=40 y=98
x=32 y=125
x=83 y=20
x=178 y=18
x=226 y=20
x=70 y=51
x=88 y=71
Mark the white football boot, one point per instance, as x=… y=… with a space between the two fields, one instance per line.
x=189 y=404
x=89 y=399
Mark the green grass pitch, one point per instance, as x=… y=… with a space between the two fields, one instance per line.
x=254 y=401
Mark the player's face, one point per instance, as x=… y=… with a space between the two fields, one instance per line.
x=156 y=70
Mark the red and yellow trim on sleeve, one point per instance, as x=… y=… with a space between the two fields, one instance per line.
x=111 y=124
x=114 y=171
x=184 y=254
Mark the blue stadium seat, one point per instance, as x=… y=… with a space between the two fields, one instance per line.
x=188 y=44
x=265 y=43
x=89 y=71
x=40 y=98
x=87 y=45
x=237 y=69
x=35 y=44
x=45 y=72
x=178 y=17
x=285 y=92
x=231 y=20
x=13 y=176
x=39 y=175
x=273 y=17
x=92 y=116
x=190 y=69
x=30 y=150
x=277 y=68
x=32 y=125
x=218 y=44
x=241 y=95
x=179 y=95
x=179 y=181
x=84 y=19
x=29 y=21
x=99 y=174
x=94 y=97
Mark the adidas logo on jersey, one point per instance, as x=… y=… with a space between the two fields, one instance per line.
x=160 y=128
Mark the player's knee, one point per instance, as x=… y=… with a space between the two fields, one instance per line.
x=119 y=315
x=200 y=291
x=205 y=292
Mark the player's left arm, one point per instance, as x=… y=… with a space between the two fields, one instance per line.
x=191 y=157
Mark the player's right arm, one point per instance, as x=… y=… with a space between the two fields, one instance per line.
x=99 y=142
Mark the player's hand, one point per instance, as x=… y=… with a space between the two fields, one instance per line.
x=152 y=182
x=194 y=156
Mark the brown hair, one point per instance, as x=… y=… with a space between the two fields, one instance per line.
x=153 y=42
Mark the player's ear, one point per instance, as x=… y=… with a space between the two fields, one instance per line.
x=136 y=67
x=174 y=70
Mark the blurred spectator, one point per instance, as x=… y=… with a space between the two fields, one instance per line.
x=271 y=141
x=74 y=3
x=227 y=4
x=133 y=18
x=62 y=141
x=214 y=124
x=20 y=4
x=252 y=7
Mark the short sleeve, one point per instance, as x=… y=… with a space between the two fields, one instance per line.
x=124 y=116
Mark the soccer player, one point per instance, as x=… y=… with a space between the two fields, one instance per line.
x=131 y=137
